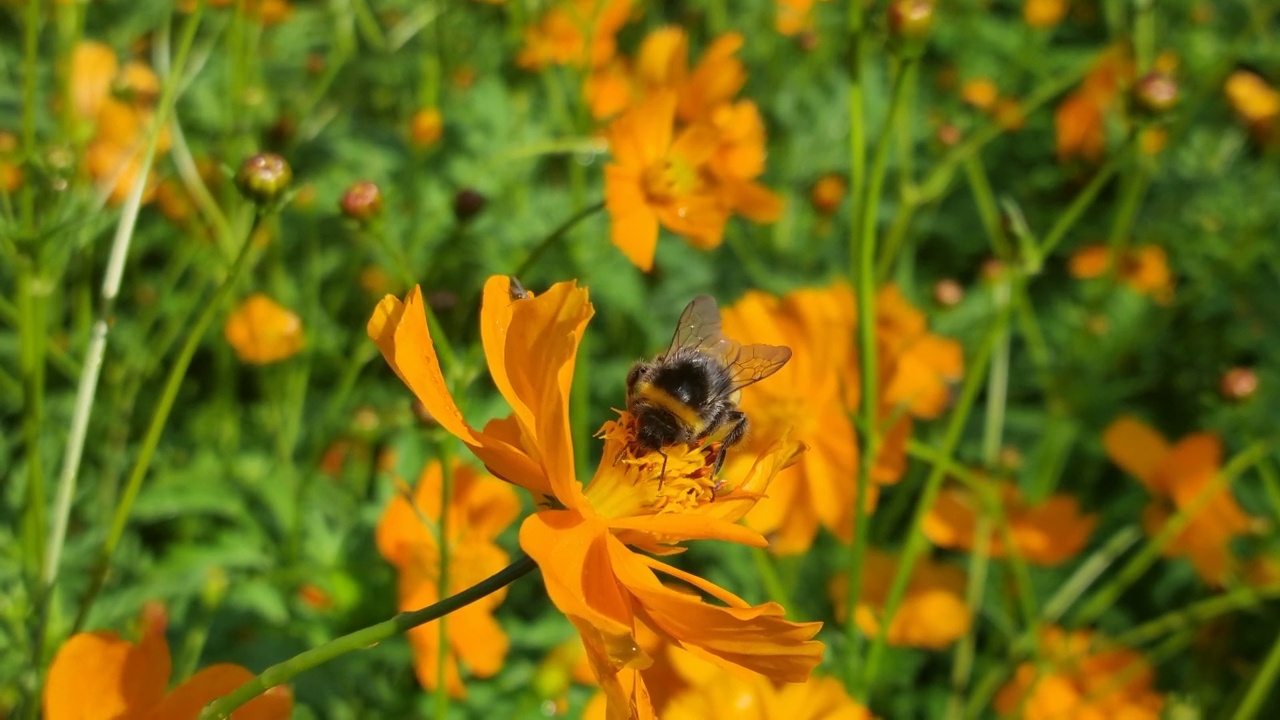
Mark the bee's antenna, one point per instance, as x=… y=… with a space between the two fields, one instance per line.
x=664 y=468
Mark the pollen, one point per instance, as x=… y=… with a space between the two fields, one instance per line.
x=677 y=478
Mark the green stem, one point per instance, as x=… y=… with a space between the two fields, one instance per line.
x=863 y=267
x=1082 y=201
x=1134 y=186
x=1089 y=571
x=767 y=569
x=1197 y=613
x=442 y=581
x=169 y=394
x=554 y=236
x=1261 y=685
x=120 y=244
x=988 y=209
x=30 y=101
x=1107 y=595
x=915 y=544
x=962 y=665
x=283 y=672
x=1271 y=484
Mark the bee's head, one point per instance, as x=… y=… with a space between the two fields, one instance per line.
x=656 y=428
x=633 y=376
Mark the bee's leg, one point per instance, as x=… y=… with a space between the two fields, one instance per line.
x=662 y=476
x=736 y=420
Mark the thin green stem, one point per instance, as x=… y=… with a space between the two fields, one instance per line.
x=932 y=186
x=554 y=236
x=1107 y=595
x=767 y=570
x=962 y=664
x=915 y=544
x=88 y=385
x=442 y=581
x=30 y=101
x=1133 y=188
x=863 y=261
x=1089 y=571
x=1271 y=484
x=1261 y=686
x=362 y=639
x=177 y=372
x=1072 y=214
x=1189 y=617
x=988 y=208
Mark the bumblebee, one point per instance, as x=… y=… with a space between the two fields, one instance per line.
x=690 y=392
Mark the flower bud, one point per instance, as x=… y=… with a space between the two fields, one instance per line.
x=426 y=127
x=910 y=20
x=468 y=203
x=828 y=192
x=362 y=201
x=948 y=293
x=1156 y=92
x=1238 y=384
x=264 y=177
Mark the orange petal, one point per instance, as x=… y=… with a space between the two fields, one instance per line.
x=678 y=527
x=754 y=201
x=93 y=67
x=636 y=235
x=538 y=357
x=1137 y=449
x=572 y=554
x=756 y=638
x=100 y=675
x=400 y=330
x=626 y=695
x=188 y=699
x=1090 y=261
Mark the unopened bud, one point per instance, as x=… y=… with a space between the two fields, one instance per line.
x=1239 y=384
x=362 y=201
x=827 y=193
x=264 y=177
x=948 y=293
x=910 y=19
x=1157 y=92
x=467 y=204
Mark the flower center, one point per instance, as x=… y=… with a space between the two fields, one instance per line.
x=631 y=482
x=671 y=178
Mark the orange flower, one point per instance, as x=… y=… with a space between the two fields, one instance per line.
x=794 y=17
x=1044 y=13
x=917 y=366
x=1080 y=120
x=100 y=676
x=1175 y=475
x=657 y=177
x=10 y=172
x=1255 y=102
x=262 y=331
x=806 y=396
x=426 y=127
x=481 y=507
x=933 y=613
x=828 y=192
x=117 y=103
x=1046 y=534
x=1081 y=681
x=1145 y=269
x=818 y=699
x=583 y=537
x=580 y=33
x=980 y=93
x=267 y=12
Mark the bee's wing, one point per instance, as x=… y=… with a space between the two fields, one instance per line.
x=748 y=364
x=699 y=327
